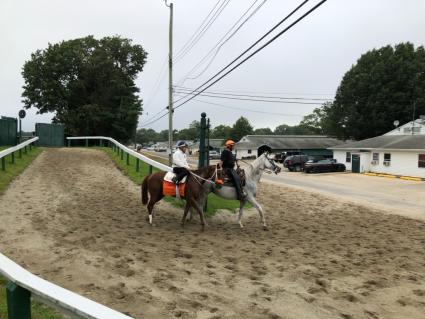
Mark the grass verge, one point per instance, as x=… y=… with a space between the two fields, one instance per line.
x=214 y=202
x=13 y=170
x=38 y=310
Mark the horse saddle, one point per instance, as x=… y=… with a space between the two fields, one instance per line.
x=169 y=178
x=171 y=189
x=221 y=174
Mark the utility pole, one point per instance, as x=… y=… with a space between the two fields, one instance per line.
x=170 y=87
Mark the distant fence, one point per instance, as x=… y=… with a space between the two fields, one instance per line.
x=120 y=148
x=12 y=150
x=8 y=131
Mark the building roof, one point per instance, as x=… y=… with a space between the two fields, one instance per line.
x=417 y=126
x=287 y=142
x=386 y=142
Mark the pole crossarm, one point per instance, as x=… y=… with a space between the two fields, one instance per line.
x=13 y=149
x=56 y=296
x=124 y=148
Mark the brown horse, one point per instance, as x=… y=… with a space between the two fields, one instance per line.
x=193 y=192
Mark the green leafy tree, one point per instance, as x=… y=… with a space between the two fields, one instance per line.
x=146 y=136
x=221 y=131
x=263 y=131
x=88 y=84
x=285 y=129
x=314 y=122
x=381 y=87
x=191 y=133
x=241 y=128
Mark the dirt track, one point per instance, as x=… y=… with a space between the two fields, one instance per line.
x=74 y=219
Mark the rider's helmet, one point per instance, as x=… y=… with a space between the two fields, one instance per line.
x=181 y=144
x=229 y=143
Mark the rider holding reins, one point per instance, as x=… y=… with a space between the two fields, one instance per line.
x=228 y=162
x=180 y=165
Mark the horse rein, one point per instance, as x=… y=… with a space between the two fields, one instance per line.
x=204 y=179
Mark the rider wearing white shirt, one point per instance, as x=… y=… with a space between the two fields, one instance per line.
x=180 y=164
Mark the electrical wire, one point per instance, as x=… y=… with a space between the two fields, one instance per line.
x=220 y=43
x=203 y=31
x=254 y=44
x=254 y=96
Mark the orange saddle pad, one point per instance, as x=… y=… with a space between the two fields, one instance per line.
x=169 y=189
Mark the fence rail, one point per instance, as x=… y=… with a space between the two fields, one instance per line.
x=24 y=285
x=13 y=149
x=124 y=148
x=70 y=303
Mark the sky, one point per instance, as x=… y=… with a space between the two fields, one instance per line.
x=306 y=62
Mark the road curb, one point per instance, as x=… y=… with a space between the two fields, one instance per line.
x=408 y=178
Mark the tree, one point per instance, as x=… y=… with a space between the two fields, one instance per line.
x=285 y=129
x=263 y=131
x=221 y=131
x=190 y=133
x=145 y=136
x=382 y=87
x=88 y=84
x=241 y=128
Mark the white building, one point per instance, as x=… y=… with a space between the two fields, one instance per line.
x=398 y=152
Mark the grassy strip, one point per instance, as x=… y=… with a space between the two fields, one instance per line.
x=13 y=170
x=38 y=310
x=214 y=202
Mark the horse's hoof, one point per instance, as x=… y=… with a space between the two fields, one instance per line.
x=240 y=224
x=265 y=227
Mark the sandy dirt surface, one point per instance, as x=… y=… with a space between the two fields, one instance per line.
x=74 y=219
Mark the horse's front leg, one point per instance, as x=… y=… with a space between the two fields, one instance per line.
x=241 y=206
x=254 y=202
x=194 y=204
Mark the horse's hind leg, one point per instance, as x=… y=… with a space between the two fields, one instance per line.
x=241 y=205
x=195 y=205
x=254 y=202
x=186 y=210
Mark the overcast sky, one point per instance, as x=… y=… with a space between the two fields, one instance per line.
x=306 y=62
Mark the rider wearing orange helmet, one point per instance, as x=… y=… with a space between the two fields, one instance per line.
x=228 y=164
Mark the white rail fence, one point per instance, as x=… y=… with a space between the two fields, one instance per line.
x=12 y=150
x=24 y=285
x=123 y=149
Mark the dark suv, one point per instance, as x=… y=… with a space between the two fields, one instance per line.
x=296 y=162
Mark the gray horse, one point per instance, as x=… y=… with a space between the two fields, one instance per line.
x=253 y=174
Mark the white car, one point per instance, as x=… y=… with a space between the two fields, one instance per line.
x=214 y=155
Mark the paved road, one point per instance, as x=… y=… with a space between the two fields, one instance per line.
x=392 y=195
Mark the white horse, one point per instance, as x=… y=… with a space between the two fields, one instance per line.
x=253 y=175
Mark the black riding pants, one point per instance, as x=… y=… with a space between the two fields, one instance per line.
x=180 y=172
x=231 y=173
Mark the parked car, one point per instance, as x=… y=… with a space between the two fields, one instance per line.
x=326 y=165
x=214 y=155
x=280 y=157
x=296 y=162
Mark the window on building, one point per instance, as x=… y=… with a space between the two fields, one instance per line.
x=348 y=157
x=376 y=157
x=249 y=151
x=387 y=157
x=421 y=160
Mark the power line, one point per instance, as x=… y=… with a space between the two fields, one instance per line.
x=254 y=44
x=205 y=29
x=248 y=110
x=259 y=92
x=199 y=27
x=254 y=100
x=153 y=121
x=185 y=91
x=220 y=43
x=158 y=81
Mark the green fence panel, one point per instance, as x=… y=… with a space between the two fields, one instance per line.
x=8 y=131
x=50 y=134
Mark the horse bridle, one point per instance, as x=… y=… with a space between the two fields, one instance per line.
x=209 y=179
x=274 y=166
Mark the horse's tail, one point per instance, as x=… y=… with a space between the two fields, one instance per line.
x=144 y=190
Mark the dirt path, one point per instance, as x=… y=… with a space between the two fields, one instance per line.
x=75 y=220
